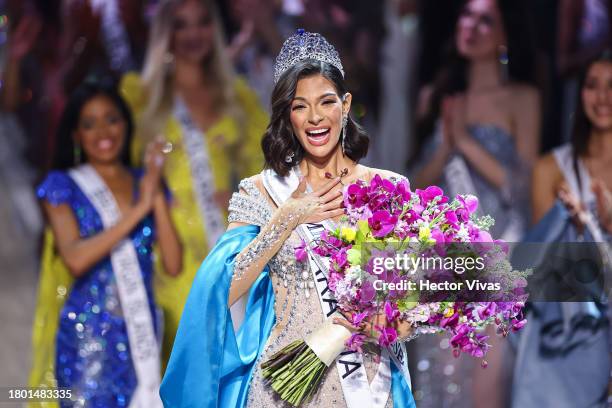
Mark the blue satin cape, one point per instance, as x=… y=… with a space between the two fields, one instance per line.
x=211 y=365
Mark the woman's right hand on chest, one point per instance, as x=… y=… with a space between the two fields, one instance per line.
x=316 y=206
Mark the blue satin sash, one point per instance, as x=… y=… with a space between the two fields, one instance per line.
x=211 y=365
x=563 y=357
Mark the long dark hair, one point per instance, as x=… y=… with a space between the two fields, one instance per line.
x=69 y=122
x=452 y=77
x=582 y=128
x=279 y=140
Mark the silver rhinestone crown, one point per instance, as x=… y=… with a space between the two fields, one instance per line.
x=302 y=46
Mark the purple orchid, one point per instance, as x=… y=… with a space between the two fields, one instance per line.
x=358 y=318
x=402 y=189
x=486 y=310
x=391 y=311
x=355 y=342
x=449 y=321
x=452 y=219
x=429 y=194
x=366 y=293
x=469 y=205
x=339 y=259
x=517 y=325
x=355 y=195
x=300 y=252
x=382 y=223
x=388 y=335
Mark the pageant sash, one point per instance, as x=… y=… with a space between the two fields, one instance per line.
x=132 y=294
x=115 y=38
x=564 y=158
x=353 y=377
x=194 y=142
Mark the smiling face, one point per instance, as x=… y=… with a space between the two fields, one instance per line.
x=480 y=30
x=316 y=115
x=193 y=32
x=101 y=130
x=597 y=95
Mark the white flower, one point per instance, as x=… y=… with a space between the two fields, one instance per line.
x=354 y=273
x=463 y=234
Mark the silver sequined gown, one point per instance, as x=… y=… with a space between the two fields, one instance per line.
x=297 y=314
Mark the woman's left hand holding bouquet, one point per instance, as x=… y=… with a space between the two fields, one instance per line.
x=374 y=328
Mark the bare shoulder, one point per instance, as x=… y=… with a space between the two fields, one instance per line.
x=424 y=100
x=547 y=171
x=524 y=96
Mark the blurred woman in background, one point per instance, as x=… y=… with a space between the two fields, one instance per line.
x=209 y=119
x=478 y=128
x=96 y=324
x=482 y=115
x=566 y=346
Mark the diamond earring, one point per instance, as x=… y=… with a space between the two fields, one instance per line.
x=344 y=122
x=289 y=157
x=76 y=153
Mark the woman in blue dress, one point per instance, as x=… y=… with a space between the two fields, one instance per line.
x=563 y=357
x=478 y=126
x=96 y=323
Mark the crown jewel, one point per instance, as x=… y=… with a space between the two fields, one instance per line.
x=302 y=46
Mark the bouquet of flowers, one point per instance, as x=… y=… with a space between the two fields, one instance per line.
x=416 y=258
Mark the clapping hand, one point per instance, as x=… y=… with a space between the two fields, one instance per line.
x=150 y=184
x=603 y=195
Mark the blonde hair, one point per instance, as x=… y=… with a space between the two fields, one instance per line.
x=157 y=75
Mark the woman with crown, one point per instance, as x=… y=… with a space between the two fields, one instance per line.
x=312 y=148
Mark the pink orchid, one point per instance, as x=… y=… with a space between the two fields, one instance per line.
x=355 y=342
x=388 y=335
x=382 y=223
x=391 y=311
x=366 y=293
x=358 y=318
x=355 y=195
x=300 y=252
x=403 y=190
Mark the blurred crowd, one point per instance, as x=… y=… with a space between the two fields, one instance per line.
x=471 y=95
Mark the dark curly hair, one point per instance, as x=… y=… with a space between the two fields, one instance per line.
x=279 y=140
x=91 y=88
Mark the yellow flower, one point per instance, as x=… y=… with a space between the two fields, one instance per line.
x=449 y=312
x=348 y=234
x=425 y=235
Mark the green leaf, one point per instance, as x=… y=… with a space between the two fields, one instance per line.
x=363 y=226
x=353 y=255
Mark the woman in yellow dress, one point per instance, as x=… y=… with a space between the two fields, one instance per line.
x=212 y=123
